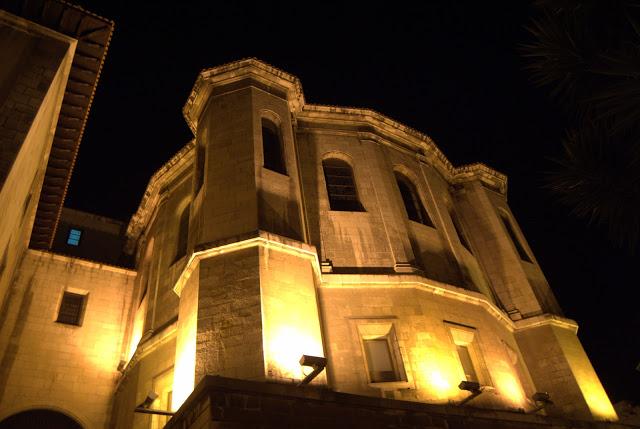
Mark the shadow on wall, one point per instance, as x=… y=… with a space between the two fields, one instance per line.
x=279 y=215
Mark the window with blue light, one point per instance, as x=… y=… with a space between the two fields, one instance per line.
x=74 y=237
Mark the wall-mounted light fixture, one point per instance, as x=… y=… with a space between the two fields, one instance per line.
x=473 y=387
x=542 y=399
x=143 y=407
x=316 y=362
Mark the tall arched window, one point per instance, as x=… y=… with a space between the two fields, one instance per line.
x=200 y=161
x=412 y=204
x=459 y=230
x=341 y=187
x=514 y=238
x=183 y=233
x=272 y=147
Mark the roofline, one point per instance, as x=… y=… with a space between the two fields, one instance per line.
x=93 y=34
x=388 y=131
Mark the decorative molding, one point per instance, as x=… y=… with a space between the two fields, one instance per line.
x=398 y=281
x=261 y=238
x=83 y=262
x=151 y=199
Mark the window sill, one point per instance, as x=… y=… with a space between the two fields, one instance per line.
x=391 y=385
x=277 y=173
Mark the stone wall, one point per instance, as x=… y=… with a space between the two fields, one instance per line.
x=226 y=403
x=49 y=364
x=35 y=67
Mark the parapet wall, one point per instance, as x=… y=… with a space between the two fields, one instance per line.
x=219 y=402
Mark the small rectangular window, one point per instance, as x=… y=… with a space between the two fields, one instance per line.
x=71 y=308
x=74 y=237
x=382 y=356
x=379 y=360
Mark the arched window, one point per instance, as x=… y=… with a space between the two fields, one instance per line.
x=200 y=161
x=458 y=227
x=341 y=187
x=412 y=204
x=514 y=238
x=183 y=233
x=272 y=147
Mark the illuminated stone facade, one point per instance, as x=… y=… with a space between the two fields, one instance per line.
x=287 y=229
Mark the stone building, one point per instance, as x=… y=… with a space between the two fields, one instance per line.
x=283 y=230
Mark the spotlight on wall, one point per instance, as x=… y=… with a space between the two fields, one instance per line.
x=121 y=365
x=316 y=362
x=470 y=386
x=151 y=396
x=143 y=407
x=542 y=399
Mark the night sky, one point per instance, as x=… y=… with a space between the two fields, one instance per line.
x=451 y=70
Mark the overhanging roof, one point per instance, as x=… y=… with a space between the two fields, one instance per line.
x=93 y=34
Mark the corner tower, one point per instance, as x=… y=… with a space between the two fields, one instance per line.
x=248 y=294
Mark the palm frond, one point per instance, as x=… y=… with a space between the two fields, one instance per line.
x=599 y=179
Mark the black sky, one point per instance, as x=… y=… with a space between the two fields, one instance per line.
x=449 y=69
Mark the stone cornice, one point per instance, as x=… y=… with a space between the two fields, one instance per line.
x=258 y=238
x=367 y=124
x=400 y=136
x=547 y=320
x=82 y=262
x=233 y=72
x=152 y=195
x=398 y=281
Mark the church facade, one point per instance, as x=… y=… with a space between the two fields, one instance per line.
x=295 y=255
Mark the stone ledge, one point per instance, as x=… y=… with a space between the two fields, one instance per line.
x=219 y=402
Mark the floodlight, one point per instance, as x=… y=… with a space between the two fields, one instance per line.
x=144 y=406
x=151 y=396
x=542 y=399
x=316 y=362
x=470 y=386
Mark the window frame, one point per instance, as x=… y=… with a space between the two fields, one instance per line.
x=383 y=331
x=182 y=237
x=416 y=200
x=81 y=312
x=514 y=237
x=467 y=336
x=73 y=230
x=352 y=201
x=276 y=129
x=463 y=238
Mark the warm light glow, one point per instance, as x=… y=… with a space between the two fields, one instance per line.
x=184 y=369
x=138 y=326
x=598 y=401
x=509 y=387
x=438 y=382
x=284 y=350
x=104 y=353
x=438 y=377
x=290 y=319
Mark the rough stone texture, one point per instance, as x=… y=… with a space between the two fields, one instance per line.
x=223 y=403
x=70 y=368
x=229 y=335
x=419 y=318
x=35 y=67
x=132 y=389
x=379 y=267
x=271 y=273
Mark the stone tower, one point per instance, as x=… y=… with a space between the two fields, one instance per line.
x=248 y=306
